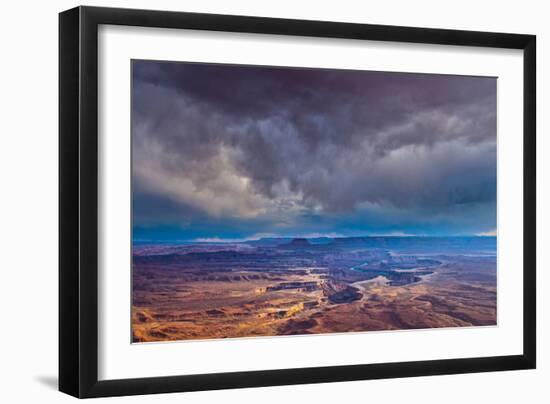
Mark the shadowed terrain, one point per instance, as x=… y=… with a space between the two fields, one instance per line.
x=309 y=286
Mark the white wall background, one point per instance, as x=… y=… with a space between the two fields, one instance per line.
x=28 y=206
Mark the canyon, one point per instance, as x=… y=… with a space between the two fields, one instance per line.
x=271 y=287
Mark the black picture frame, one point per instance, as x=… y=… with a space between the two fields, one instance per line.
x=78 y=201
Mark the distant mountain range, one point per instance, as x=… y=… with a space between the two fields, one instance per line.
x=401 y=243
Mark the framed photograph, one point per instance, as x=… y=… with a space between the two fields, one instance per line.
x=251 y=201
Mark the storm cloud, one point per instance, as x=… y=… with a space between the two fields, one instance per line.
x=243 y=150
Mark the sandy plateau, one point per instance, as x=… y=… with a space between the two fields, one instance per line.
x=285 y=287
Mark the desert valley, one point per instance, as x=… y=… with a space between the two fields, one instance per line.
x=284 y=286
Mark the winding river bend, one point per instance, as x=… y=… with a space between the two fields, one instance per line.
x=396 y=271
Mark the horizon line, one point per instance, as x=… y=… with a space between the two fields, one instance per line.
x=219 y=240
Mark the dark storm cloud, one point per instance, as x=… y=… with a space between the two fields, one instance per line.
x=280 y=143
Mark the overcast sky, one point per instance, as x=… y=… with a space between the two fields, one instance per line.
x=232 y=152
